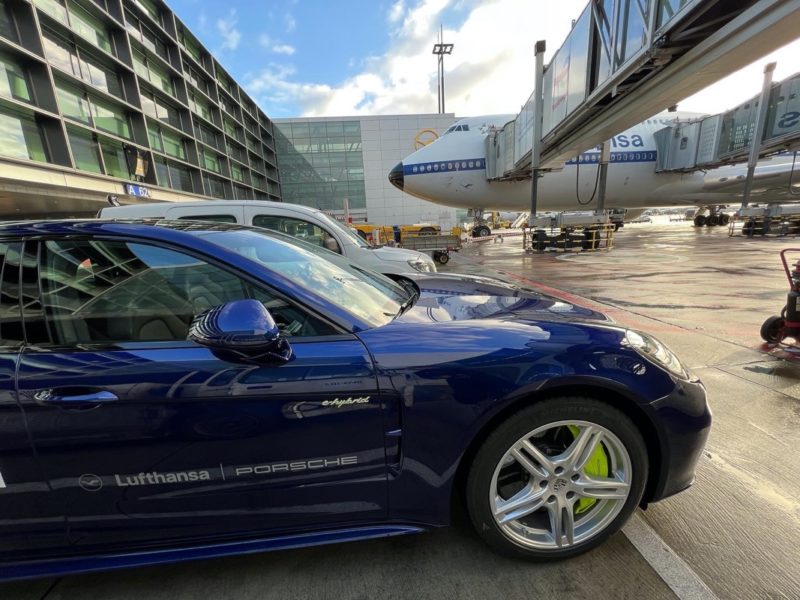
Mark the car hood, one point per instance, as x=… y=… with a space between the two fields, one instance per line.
x=448 y=297
x=398 y=254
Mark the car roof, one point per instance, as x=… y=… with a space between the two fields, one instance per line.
x=215 y=204
x=147 y=228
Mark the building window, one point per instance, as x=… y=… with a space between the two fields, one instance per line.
x=235 y=152
x=66 y=56
x=225 y=83
x=155 y=74
x=21 y=136
x=165 y=141
x=232 y=130
x=81 y=21
x=199 y=106
x=153 y=43
x=85 y=150
x=214 y=186
x=237 y=173
x=73 y=103
x=114 y=159
x=157 y=108
x=88 y=27
x=151 y=8
x=77 y=105
x=55 y=9
x=133 y=25
x=7 y=27
x=259 y=181
x=241 y=193
x=109 y=117
x=13 y=81
x=206 y=134
x=191 y=45
x=173 y=175
x=209 y=160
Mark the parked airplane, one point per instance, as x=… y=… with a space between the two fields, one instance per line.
x=451 y=171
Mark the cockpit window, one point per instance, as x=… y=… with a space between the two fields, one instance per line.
x=453 y=128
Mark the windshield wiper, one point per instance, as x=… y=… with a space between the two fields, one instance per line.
x=408 y=303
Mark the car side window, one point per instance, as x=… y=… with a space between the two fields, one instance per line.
x=112 y=291
x=11 y=333
x=300 y=229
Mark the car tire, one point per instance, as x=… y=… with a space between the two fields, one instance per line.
x=547 y=426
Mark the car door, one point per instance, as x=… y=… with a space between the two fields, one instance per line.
x=296 y=227
x=30 y=521
x=148 y=438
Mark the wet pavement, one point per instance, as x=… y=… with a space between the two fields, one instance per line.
x=737 y=528
x=705 y=295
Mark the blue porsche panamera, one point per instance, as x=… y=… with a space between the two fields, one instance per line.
x=179 y=390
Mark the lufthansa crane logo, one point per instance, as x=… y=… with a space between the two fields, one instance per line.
x=90 y=482
x=425 y=137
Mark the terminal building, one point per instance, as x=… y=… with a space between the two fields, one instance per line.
x=341 y=165
x=116 y=98
x=117 y=101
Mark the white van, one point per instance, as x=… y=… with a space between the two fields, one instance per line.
x=302 y=222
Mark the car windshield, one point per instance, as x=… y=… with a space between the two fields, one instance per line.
x=366 y=295
x=344 y=229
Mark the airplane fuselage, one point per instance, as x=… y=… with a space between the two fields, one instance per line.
x=452 y=171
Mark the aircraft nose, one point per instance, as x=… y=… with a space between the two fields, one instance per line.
x=396 y=177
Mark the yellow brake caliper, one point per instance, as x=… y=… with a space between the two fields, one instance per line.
x=596 y=467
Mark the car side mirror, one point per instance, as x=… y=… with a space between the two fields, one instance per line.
x=241 y=331
x=331 y=244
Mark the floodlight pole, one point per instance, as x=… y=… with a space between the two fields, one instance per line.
x=440 y=49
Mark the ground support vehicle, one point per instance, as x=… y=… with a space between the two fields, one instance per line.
x=777 y=328
x=570 y=239
x=438 y=246
x=184 y=389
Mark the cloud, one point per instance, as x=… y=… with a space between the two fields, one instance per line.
x=490 y=70
x=227 y=29
x=283 y=49
x=397 y=11
x=275 y=46
x=291 y=23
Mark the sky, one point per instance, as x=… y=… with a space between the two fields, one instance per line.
x=368 y=57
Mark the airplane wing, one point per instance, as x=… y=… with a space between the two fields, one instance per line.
x=776 y=179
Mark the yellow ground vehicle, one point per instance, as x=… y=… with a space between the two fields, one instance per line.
x=420 y=229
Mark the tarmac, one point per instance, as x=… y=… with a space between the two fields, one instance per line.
x=734 y=534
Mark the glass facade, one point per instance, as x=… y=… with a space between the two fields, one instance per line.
x=321 y=164
x=164 y=114
x=21 y=136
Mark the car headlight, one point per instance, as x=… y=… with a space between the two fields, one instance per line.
x=422 y=265
x=651 y=348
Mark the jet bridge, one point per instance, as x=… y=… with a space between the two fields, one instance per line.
x=626 y=60
x=726 y=138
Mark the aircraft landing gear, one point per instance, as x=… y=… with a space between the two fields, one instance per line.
x=711 y=216
x=481 y=227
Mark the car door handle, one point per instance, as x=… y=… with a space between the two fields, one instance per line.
x=69 y=398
